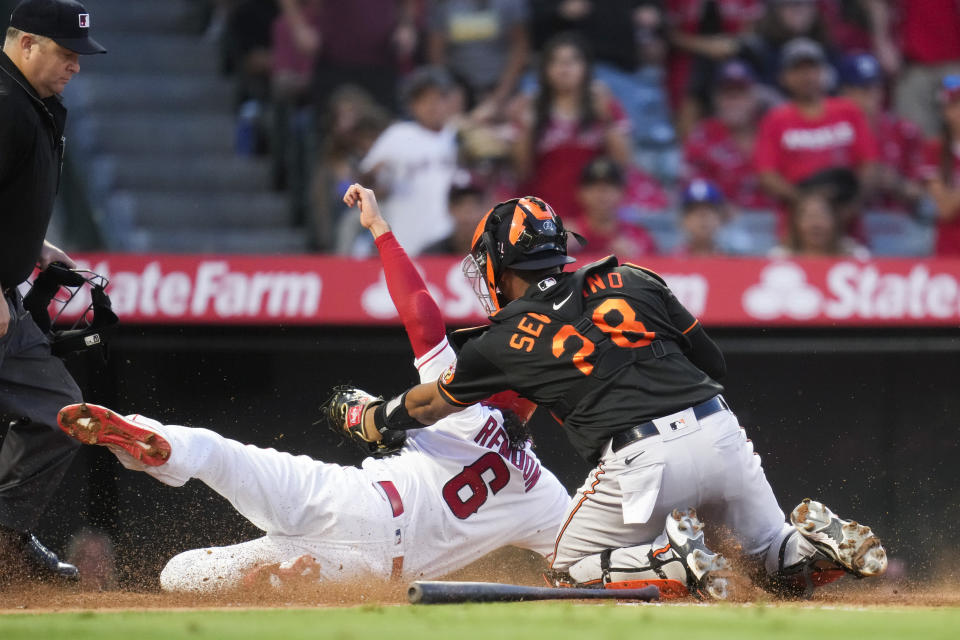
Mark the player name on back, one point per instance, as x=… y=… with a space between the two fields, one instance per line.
x=494 y=437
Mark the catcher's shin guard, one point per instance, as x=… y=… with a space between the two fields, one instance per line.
x=678 y=563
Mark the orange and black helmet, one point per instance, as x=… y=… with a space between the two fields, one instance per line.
x=521 y=234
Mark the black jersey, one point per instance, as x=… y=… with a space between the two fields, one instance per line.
x=604 y=348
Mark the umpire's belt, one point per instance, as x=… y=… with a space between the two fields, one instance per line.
x=647 y=429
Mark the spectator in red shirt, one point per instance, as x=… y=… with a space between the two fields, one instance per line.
x=367 y=43
x=602 y=224
x=900 y=142
x=941 y=171
x=570 y=121
x=703 y=210
x=721 y=148
x=929 y=33
x=811 y=134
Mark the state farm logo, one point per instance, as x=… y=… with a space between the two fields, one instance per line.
x=209 y=289
x=456 y=299
x=853 y=290
x=783 y=291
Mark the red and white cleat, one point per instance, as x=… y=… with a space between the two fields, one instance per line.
x=93 y=424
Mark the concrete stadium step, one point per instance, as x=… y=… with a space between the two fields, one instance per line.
x=111 y=93
x=158 y=134
x=196 y=211
x=211 y=172
x=141 y=16
x=154 y=54
x=267 y=241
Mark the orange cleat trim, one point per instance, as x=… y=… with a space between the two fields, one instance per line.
x=669 y=589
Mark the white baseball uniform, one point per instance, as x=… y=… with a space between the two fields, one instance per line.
x=454 y=493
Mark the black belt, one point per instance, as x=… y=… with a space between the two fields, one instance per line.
x=647 y=429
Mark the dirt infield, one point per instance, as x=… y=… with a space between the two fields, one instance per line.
x=512 y=567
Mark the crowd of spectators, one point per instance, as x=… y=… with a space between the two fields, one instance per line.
x=663 y=127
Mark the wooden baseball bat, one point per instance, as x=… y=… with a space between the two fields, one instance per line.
x=439 y=592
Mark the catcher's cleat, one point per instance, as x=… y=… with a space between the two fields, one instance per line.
x=685 y=532
x=849 y=544
x=93 y=424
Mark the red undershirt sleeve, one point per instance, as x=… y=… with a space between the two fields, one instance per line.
x=418 y=310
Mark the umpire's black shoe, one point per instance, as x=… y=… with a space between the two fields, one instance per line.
x=23 y=557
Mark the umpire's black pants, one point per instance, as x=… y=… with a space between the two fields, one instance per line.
x=35 y=453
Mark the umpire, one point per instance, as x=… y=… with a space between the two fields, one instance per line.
x=41 y=53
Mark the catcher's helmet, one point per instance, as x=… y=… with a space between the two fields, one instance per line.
x=521 y=234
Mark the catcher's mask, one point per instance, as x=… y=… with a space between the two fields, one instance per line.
x=57 y=285
x=522 y=234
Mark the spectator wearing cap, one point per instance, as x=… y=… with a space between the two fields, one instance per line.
x=703 y=211
x=900 y=143
x=721 y=148
x=413 y=162
x=41 y=53
x=783 y=22
x=811 y=133
x=484 y=42
x=941 y=170
x=568 y=122
x=467 y=204
x=601 y=221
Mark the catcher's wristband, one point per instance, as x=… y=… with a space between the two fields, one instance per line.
x=393 y=415
x=354 y=419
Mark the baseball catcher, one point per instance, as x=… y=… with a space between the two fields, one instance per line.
x=633 y=378
x=447 y=495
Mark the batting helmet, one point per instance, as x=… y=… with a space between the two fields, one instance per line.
x=521 y=234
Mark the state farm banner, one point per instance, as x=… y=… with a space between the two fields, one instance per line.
x=318 y=290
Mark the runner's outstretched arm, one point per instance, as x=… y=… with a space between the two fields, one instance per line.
x=418 y=310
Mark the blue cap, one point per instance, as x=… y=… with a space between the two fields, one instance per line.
x=701 y=192
x=859 y=70
x=735 y=73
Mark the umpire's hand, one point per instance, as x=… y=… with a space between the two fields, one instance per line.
x=50 y=254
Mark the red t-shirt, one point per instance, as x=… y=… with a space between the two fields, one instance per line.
x=286 y=56
x=901 y=146
x=948 y=233
x=844 y=35
x=563 y=151
x=930 y=30
x=797 y=147
x=626 y=241
x=711 y=153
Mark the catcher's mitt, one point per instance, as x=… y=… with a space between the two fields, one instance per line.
x=344 y=413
